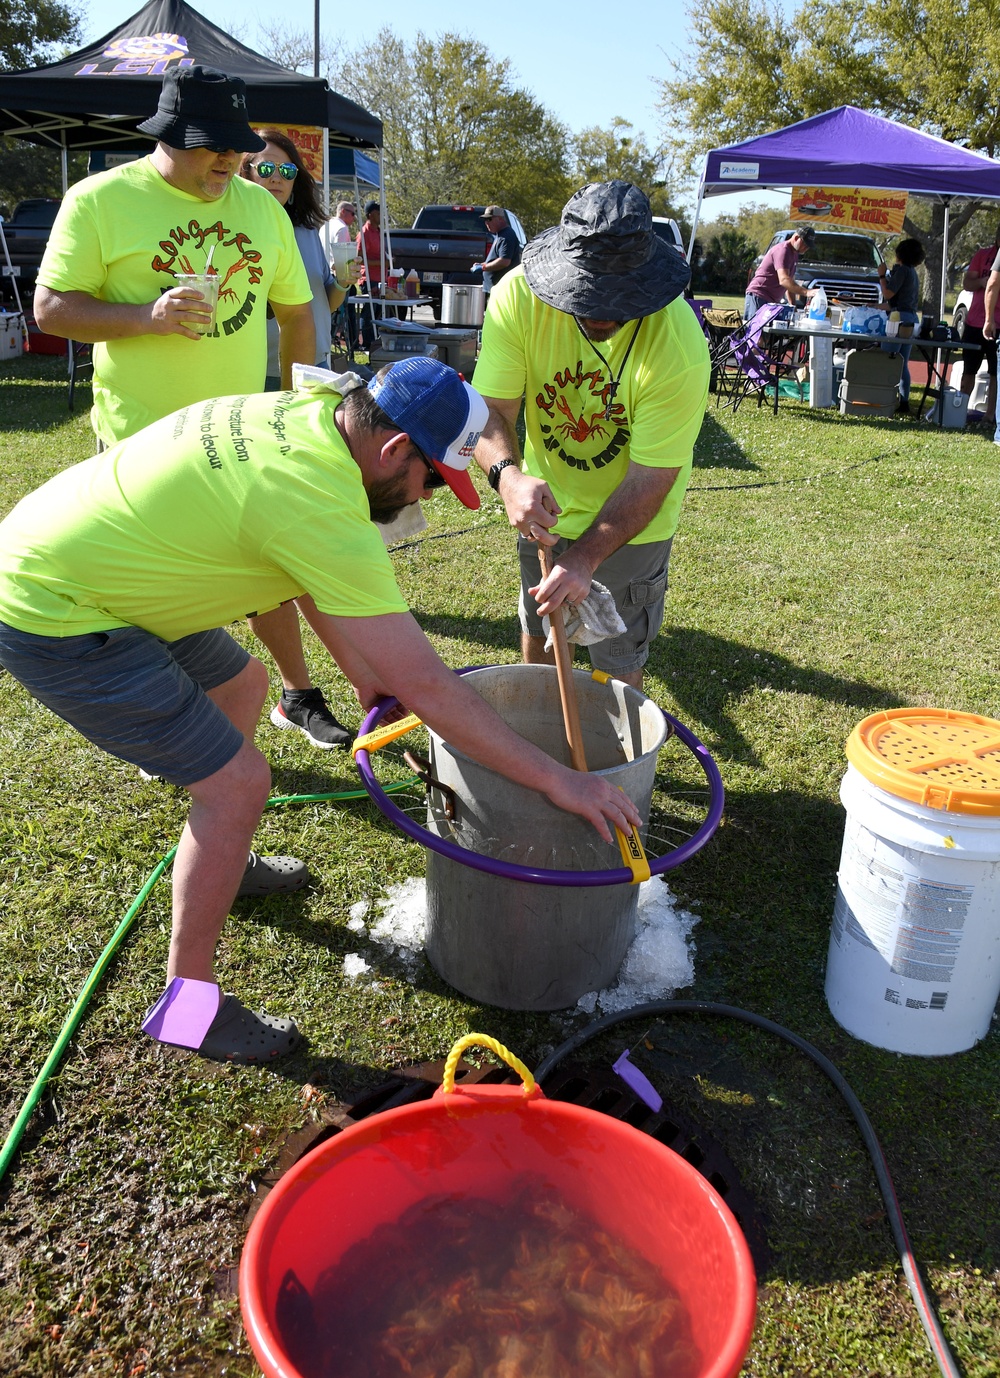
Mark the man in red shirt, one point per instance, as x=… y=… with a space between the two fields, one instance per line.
x=775 y=274
x=977 y=275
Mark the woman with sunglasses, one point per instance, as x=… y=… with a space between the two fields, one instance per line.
x=279 y=169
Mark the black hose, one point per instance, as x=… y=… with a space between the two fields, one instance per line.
x=925 y=1309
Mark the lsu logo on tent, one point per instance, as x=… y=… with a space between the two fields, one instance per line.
x=140 y=55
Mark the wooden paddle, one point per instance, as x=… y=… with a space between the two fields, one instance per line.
x=564 y=672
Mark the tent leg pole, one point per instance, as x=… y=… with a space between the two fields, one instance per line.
x=697 y=214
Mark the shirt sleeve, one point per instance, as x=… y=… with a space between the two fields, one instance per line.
x=73 y=261
x=500 y=368
x=895 y=278
x=291 y=284
x=785 y=258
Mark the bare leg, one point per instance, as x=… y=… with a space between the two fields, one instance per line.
x=214 y=846
x=280 y=633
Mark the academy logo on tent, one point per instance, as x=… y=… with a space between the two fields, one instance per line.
x=141 y=55
x=739 y=172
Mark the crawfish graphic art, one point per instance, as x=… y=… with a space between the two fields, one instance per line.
x=579 y=428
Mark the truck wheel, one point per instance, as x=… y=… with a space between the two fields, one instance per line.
x=958 y=320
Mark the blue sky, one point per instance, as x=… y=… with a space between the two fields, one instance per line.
x=587 y=62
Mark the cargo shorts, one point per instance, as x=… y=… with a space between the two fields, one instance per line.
x=635 y=575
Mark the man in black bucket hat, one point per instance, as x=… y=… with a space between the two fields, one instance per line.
x=593 y=332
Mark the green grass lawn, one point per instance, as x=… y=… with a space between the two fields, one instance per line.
x=825 y=568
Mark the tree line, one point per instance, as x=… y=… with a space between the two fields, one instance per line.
x=751 y=67
x=459 y=128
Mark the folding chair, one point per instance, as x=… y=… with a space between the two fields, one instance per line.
x=742 y=364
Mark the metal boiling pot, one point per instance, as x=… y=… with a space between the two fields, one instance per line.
x=462 y=304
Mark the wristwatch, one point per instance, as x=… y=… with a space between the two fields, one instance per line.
x=493 y=477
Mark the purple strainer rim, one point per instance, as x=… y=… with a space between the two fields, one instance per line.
x=509 y=870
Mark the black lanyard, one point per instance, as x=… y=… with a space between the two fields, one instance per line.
x=613 y=385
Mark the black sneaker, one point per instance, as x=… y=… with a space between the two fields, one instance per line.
x=306 y=709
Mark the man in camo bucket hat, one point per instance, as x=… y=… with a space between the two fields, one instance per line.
x=592 y=331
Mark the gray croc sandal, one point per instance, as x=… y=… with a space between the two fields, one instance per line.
x=236 y=1034
x=273 y=875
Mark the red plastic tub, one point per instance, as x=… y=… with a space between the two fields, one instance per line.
x=472 y=1143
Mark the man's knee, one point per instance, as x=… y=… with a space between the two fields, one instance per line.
x=241 y=785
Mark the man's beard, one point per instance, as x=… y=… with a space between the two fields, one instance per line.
x=600 y=333
x=387 y=497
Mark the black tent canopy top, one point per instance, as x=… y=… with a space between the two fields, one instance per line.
x=95 y=98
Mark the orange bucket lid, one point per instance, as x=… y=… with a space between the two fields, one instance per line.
x=931 y=756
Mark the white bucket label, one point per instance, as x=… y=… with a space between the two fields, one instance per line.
x=911 y=933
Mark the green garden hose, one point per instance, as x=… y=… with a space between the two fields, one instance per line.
x=72 y=1021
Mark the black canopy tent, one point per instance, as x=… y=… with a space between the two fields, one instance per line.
x=95 y=98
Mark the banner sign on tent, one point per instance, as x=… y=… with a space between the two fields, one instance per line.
x=847 y=207
x=308 y=140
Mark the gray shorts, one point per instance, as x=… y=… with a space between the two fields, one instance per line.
x=134 y=695
x=636 y=576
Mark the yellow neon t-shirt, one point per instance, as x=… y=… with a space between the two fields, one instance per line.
x=531 y=349
x=228 y=507
x=123 y=235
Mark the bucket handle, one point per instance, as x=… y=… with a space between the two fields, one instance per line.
x=485 y=1041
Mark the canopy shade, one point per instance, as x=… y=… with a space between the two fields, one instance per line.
x=848 y=147
x=95 y=98
x=350 y=165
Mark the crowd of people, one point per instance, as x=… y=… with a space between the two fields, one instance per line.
x=219 y=492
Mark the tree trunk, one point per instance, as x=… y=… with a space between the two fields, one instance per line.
x=933 y=242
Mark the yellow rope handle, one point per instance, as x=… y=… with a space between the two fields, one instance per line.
x=484 y=1040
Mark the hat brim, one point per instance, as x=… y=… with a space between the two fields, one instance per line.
x=460 y=483
x=562 y=282
x=184 y=133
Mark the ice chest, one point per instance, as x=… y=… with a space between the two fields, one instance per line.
x=457 y=347
x=11 y=334
x=951 y=409
x=870 y=385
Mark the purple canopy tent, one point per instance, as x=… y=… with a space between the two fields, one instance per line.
x=848 y=147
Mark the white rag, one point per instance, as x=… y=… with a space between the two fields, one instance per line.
x=595 y=619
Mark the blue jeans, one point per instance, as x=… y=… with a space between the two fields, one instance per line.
x=892 y=347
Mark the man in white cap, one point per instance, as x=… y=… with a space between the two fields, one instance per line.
x=118 y=576
x=592 y=331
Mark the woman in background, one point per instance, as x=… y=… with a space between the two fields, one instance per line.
x=281 y=171
x=901 y=292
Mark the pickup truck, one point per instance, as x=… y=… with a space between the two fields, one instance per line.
x=844 y=265
x=27 y=233
x=442 y=245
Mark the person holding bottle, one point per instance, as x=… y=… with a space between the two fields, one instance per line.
x=901 y=292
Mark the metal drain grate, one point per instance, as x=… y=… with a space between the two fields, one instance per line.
x=587 y=1086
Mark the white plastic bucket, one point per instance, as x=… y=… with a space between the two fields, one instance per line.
x=914 y=961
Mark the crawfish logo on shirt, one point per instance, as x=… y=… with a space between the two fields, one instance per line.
x=235 y=261
x=576 y=405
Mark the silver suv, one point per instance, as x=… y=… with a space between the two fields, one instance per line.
x=845 y=265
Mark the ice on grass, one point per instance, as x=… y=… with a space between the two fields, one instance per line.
x=659 y=962
x=356 y=916
x=661 y=958
x=402 y=927
x=355 y=966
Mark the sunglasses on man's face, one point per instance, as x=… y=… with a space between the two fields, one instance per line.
x=434 y=479
x=265 y=169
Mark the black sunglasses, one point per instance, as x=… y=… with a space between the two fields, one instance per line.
x=265 y=169
x=435 y=480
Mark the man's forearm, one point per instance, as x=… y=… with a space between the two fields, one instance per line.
x=296 y=344
x=499 y=438
x=992 y=294
x=628 y=511
x=78 y=316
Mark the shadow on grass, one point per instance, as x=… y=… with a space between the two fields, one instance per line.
x=715 y=448
x=706 y=673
